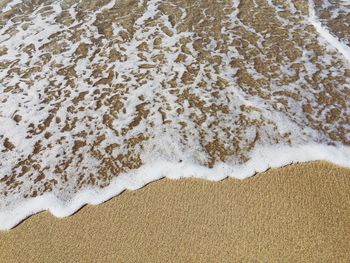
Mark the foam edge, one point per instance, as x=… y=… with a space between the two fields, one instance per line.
x=261 y=160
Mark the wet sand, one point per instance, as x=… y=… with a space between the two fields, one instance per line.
x=297 y=213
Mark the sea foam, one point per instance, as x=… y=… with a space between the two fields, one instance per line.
x=98 y=97
x=262 y=159
x=325 y=34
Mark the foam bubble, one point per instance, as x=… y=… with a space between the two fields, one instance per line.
x=102 y=96
x=262 y=159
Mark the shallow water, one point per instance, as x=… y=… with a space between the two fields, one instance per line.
x=92 y=90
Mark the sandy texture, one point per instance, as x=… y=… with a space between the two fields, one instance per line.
x=297 y=213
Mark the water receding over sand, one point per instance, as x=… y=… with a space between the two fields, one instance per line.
x=115 y=94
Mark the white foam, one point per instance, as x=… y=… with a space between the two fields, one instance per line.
x=261 y=160
x=166 y=146
x=325 y=34
x=10 y=5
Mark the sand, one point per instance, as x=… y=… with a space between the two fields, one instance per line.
x=297 y=213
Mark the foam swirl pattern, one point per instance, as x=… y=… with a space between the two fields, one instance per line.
x=101 y=96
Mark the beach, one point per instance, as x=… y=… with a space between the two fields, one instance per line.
x=299 y=213
x=174 y=131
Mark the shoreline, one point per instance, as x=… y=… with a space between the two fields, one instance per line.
x=298 y=212
x=261 y=160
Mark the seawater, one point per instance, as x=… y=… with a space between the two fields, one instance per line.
x=101 y=96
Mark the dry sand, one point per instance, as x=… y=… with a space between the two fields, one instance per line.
x=296 y=213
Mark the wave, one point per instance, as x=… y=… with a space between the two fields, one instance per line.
x=102 y=96
x=324 y=33
x=262 y=159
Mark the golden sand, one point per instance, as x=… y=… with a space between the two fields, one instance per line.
x=297 y=213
